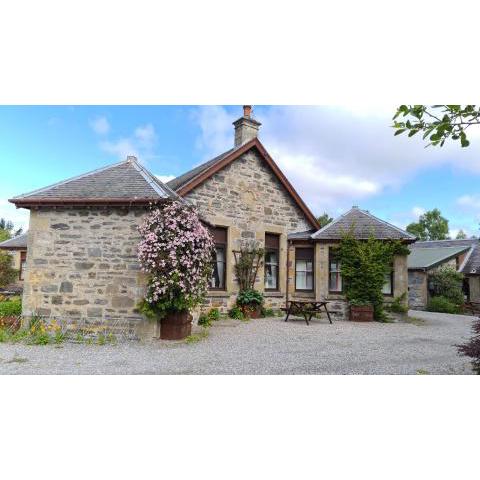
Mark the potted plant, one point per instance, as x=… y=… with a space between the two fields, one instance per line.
x=176 y=251
x=361 y=311
x=250 y=301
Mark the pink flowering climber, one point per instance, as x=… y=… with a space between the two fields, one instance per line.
x=176 y=250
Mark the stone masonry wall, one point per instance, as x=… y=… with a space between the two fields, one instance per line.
x=82 y=266
x=247 y=198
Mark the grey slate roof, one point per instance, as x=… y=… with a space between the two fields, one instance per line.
x=306 y=235
x=19 y=241
x=123 y=180
x=426 y=258
x=363 y=225
x=183 y=179
x=446 y=243
x=471 y=264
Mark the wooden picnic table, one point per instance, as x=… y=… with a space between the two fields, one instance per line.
x=306 y=308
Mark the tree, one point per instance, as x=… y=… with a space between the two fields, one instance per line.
x=7 y=230
x=430 y=226
x=324 y=219
x=461 y=235
x=7 y=272
x=437 y=122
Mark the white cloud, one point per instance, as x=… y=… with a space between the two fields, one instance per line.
x=140 y=143
x=100 y=125
x=470 y=202
x=216 y=129
x=165 y=178
x=145 y=134
x=120 y=148
x=19 y=216
x=335 y=156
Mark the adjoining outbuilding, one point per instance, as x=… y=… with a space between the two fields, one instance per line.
x=427 y=257
x=17 y=248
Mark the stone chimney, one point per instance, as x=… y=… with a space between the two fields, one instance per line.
x=246 y=128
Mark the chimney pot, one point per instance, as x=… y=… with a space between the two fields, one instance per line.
x=131 y=158
x=246 y=127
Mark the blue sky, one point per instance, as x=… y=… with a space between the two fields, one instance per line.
x=336 y=157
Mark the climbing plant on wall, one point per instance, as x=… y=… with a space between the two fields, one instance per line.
x=364 y=265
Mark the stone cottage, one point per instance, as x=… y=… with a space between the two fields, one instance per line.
x=427 y=257
x=82 y=240
x=17 y=248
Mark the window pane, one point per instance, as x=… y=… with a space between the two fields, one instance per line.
x=387 y=286
x=301 y=265
x=271 y=257
x=335 y=277
x=22 y=269
x=218 y=274
x=309 y=280
x=301 y=280
x=271 y=276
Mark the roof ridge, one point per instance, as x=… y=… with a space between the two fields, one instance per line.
x=152 y=180
x=63 y=182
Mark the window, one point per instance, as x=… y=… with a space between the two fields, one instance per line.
x=23 y=264
x=387 y=288
x=304 y=269
x=334 y=275
x=219 y=260
x=272 y=250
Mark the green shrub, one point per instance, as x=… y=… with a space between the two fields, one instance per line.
x=7 y=272
x=11 y=308
x=236 y=313
x=442 y=305
x=268 y=312
x=249 y=297
x=4 y=335
x=214 y=315
x=447 y=282
x=204 y=320
x=398 y=304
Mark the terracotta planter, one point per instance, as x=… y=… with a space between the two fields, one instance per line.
x=252 y=311
x=361 y=313
x=176 y=326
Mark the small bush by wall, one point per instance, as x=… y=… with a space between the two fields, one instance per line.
x=442 y=304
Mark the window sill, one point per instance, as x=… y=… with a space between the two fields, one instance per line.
x=218 y=293
x=273 y=294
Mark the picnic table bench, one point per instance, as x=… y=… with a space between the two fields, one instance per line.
x=306 y=308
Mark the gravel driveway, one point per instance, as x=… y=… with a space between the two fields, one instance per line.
x=266 y=346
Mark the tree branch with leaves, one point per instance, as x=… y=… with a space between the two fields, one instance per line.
x=438 y=123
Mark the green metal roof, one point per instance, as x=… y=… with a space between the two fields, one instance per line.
x=425 y=258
